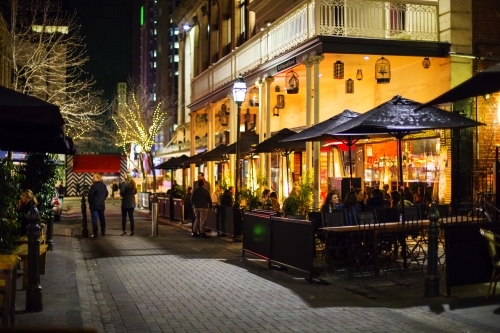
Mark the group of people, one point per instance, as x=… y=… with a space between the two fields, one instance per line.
x=97 y=195
x=357 y=200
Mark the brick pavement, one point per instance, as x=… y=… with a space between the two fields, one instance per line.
x=176 y=283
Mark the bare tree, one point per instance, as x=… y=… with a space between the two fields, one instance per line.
x=46 y=56
x=139 y=119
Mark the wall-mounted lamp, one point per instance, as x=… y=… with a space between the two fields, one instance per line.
x=338 y=70
x=280 y=102
x=383 y=70
x=276 y=111
x=292 y=82
x=254 y=96
x=359 y=74
x=349 y=86
x=186 y=27
x=426 y=63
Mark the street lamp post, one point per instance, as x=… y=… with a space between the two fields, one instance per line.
x=239 y=94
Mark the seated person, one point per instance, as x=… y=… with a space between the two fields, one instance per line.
x=274 y=204
x=23 y=207
x=351 y=206
x=331 y=201
x=396 y=200
x=376 y=201
x=264 y=198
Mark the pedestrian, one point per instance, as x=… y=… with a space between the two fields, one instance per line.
x=23 y=208
x=114 y=188
x=128 y=190
x=97 y=197
x=188 y=207
x=216 y=196
x=201 y=201
x=201 y=175
x=264 y=201
x=227 y=197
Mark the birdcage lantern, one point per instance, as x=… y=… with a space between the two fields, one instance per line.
x=280 y=101
x=276 y=111
x=349 y=86
x=254 y=96
x=338 y=70
x=223 y=116
x=383 y=71
x=426 y=63
x=359 y=74
x=292 y=82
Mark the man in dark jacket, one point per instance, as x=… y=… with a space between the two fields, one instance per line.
x=227 y=197
x=97 y=197
x=201 y=201
x=376 y=201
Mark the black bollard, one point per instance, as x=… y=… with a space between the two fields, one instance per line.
x=85 y=231
x=50 y=233
x=34 y=296
x=432 y=278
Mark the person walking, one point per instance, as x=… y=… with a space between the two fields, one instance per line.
x=201 y=201
x=188 y=207
x=97 y=197
x=114 y=188
x=128 y=190
x=201 y=175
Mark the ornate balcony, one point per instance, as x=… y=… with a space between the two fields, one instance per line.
x=349 y=18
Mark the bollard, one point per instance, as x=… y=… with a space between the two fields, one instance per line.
x=34 y=296
x=50 y=233
x=432 y=278
x=182 y=211
x=85 y=231
x=154 y=219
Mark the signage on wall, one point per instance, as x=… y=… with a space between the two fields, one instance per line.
x=287 y=64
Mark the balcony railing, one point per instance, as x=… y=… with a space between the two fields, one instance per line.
x=350 y=18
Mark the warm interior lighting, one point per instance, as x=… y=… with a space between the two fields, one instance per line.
x=498 y=112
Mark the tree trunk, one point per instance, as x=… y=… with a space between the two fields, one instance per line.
x=144 y=175
x=151 y=166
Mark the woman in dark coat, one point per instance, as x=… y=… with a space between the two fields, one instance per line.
x=128 y=189
x=97 y=202
x=188 y=207
x=23 y=207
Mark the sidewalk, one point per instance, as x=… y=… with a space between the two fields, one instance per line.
x=176 y=283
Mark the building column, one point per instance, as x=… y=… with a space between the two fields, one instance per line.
x=192 y=147
x=261 y=127
x=309 y=114
x=232 y=135
x=317 y=145
x=211 y=142
x=269 y=80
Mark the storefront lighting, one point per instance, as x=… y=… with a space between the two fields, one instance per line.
x=359 y=74
x=292 y=82
x=349 y=86
x=498 y=112
x=426 y=63
x=254 y=96
x=382 y=71
x=338 y=70
x=280 y=102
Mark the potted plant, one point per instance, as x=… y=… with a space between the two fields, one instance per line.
x=301 y=198
x=9 y=197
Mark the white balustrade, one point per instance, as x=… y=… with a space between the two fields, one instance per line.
x=350 y=18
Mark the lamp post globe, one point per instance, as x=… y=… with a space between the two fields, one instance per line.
x=239 y=94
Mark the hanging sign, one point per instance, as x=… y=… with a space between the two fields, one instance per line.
x=287 y=64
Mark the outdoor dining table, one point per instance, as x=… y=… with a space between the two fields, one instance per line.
x=8 y=268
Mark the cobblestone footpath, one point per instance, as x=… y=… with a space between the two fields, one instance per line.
x=176 y=283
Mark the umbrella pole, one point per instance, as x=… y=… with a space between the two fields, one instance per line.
x=349 y=146
x=401 y=190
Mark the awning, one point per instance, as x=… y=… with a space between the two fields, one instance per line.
x=109 y=163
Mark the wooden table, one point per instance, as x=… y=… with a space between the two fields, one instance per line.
x=8 y=268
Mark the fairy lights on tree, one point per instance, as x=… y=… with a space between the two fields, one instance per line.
x=139 y=120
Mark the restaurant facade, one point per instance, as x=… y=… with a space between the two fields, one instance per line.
x=306 y=61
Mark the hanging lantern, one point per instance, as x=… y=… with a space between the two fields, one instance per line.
x=426 y=63
x=223 y=116
x=276 y=111
x=349 y=86
x=383 y=70
x=292 y=82
x=254 y=96
x=338 y=70
x=359 y=74
x=280 y=102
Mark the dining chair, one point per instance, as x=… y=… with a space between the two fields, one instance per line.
x=316 y=219
x=415 y=237
x=493 y=243
x=388 y=239
x=362 y=249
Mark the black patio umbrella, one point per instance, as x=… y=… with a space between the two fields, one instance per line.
x=247 y=141
x=400 y=117
x=318 y=133
x=195 y=159
x=217 y=154
x=173 y=164
x=275 y=144
x=484 y=82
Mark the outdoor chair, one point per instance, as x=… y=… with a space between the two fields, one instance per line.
x=415 y=237
x=388 y=239
x=336 y=244
x=316 y=219
x=362 y=247
x=493 y=245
